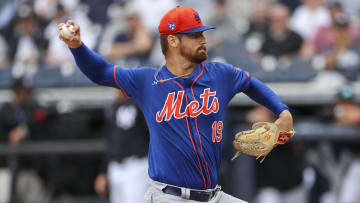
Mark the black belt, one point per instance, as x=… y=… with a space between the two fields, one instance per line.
x=196 y=195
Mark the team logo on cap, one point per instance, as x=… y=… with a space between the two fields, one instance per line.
x=197 y=17
x=172 y=25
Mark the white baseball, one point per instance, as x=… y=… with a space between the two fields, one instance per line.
x=67 y=32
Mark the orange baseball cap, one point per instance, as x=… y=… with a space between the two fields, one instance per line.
x=182 y=19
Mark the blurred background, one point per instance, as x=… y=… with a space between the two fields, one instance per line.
x=57 y=129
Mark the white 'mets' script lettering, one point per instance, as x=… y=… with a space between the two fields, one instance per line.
x=172 y=106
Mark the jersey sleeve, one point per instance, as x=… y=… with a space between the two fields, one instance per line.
x=238 y=78
x=128 y=80
x=263 y=95
x=103 y=73
x=93 y=66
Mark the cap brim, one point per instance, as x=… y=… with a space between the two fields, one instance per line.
x=198 y=29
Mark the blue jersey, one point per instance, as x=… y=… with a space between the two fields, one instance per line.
x=185 y=117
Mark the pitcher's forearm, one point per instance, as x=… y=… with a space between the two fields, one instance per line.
x=93 y=66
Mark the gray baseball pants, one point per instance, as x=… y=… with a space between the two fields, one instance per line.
x=154 y=194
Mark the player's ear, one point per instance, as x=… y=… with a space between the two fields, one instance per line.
x=173 y=41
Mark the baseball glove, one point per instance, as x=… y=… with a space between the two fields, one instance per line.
x=260 y=140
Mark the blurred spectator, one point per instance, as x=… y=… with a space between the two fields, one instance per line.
x=308 y=17
x=351 y=184
x=20 y=120
x=325 y=36
x=275 y=186
x=225 y=27
x=151 y=11
x=7 y=12
x=258 y=27
x=97 y=11
x=329 y=159
x=280 y=40
x=25 y=40
x=241 y=11
x=57 y=53
x=48 y=9
x=115 y=25
x=259 y=114
x=124 y=173
x=342 y=54
x=132 y=43
x=45 y=9
x=205 y=7
x=346 y=112
x=4 y=61
x=291 y=4
x=258 y=20
x=352 y=8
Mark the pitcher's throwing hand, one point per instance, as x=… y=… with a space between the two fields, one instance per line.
x=74 y=41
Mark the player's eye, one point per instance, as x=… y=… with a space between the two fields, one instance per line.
x=195 y=35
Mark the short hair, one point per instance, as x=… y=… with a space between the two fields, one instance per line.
x=164 y=42
x=21 y=84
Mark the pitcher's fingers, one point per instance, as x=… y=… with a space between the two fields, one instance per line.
x=76 y=38
x=62 y=38
x=60 y=26
x=76 y=28
x=70 y=22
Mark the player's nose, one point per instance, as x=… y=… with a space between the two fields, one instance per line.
x=203 y=40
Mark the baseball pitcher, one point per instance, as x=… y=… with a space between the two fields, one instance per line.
x=184 y=104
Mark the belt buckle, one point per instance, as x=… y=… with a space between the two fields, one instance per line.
x=197 y=195
x=185 y=193
x=202 y=196
x=217 y=188
x=213 y=193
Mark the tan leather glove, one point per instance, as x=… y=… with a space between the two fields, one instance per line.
x=260 y=140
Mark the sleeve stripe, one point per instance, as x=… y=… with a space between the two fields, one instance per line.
x=248 y=75
x=248 y=79
x=117 y=83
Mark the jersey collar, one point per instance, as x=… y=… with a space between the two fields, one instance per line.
x=167 y=74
